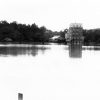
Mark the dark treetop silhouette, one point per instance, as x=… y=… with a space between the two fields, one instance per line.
x=21 y=33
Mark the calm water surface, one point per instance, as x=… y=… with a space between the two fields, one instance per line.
x=49 y=72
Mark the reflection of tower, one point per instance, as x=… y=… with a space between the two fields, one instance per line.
x=20 y=96
x=74 y=37
x=75 y=50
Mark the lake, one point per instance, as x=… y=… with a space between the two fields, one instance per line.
x=49 y=72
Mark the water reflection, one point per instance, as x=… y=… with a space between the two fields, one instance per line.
x=75 y=50
x=97 y=48
x=16 y=50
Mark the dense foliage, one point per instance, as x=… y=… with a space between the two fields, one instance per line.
x=14 y=32
x=91 y=37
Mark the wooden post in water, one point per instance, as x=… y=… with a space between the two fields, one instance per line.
x=20 y=96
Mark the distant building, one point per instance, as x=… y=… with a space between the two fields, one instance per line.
x=75 y=33
x=55 y=37
x=7 y=39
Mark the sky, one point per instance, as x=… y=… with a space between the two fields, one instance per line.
x=53 y=14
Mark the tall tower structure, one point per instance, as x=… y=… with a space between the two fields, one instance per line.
x=75 y=33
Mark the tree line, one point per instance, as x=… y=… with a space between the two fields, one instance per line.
x=15 y=32
x=91 y=37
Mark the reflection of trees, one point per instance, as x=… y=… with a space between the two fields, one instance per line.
x=97 y=48
x=15 y=50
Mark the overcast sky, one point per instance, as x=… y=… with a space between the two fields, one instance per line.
x=54 y=14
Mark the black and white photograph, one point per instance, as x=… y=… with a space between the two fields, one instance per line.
x=49 y=49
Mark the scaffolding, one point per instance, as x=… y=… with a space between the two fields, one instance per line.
x=75 y=33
